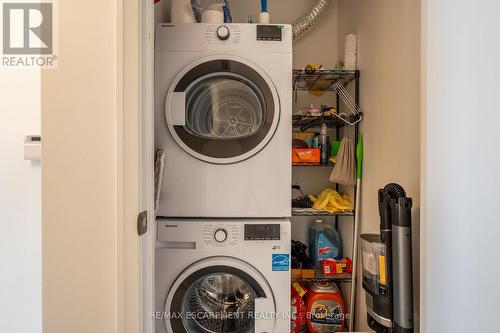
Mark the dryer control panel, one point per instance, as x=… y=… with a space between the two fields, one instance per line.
x=229 y=38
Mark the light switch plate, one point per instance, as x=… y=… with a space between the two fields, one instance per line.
x=33 y=147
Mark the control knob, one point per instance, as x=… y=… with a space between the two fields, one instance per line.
x=220 y=235
x=223 y=32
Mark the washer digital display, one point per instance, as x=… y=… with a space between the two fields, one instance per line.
x=262 y=232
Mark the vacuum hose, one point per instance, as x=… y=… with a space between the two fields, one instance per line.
x=395 y=190
x=305 y=23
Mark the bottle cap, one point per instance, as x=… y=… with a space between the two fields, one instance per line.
x=323 y=128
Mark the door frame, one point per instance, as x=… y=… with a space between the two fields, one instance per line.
x=146 y=150
x=135 y=87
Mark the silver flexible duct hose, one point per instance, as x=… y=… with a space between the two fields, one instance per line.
x=305 y=23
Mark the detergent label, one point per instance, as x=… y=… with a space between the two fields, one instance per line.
x=281 y=262
x=326 y=249
x=327 y=313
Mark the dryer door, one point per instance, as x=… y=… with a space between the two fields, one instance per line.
x=222 y=110
x=220 y=294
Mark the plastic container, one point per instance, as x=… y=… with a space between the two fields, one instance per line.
x=373 y=257
x=326 y=308
x=324 y=242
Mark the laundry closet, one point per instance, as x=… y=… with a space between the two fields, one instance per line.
x=224 y=184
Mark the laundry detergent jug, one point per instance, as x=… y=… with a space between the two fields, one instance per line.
x=326 y=308
x=324 y=242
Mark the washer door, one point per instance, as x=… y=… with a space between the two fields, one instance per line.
x=220 y=294
x=222 y=110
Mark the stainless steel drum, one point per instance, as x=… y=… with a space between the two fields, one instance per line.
x=219 y=303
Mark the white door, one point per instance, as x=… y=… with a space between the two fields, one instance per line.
x=221 y=109
x=220 y=294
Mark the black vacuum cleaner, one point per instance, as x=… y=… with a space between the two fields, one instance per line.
x=387 y=265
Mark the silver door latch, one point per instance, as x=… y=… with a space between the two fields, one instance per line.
x=142 y=223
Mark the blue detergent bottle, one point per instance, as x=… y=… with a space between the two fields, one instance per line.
x=324 y=242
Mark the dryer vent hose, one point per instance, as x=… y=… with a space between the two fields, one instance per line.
x=307 y=21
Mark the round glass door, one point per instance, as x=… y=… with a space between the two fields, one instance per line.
x=229 y=109
x=219 y=302
x=214 y=299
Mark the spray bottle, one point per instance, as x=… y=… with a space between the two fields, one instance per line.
x=323 y=144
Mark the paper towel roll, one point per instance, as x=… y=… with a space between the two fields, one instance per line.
x=182 y=12
x=350 y=52
x=213 y=16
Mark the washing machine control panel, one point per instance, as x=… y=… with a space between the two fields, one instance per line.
x=221 y=234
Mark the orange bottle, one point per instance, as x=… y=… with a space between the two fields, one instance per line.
x=326 y=308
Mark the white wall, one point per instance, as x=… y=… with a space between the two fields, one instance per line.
x=388 y=58
x=460 y=160
x=20 y=205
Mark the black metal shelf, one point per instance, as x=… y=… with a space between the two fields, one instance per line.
x=319 y=276
x=322 y=79
x=306 y=122
x=314 y=212
x=344 y=84
x=313 y=165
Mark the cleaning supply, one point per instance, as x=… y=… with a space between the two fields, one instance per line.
x=264 y=17
x=298 y=322
x=326 y=307
x=228 y=18
x=323 y=144
x=344 y=172
x=334 y=149
x=359 y=173
x=334 y=267
x=324 y=242
x=332 y=201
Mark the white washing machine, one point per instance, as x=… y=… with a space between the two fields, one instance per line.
x=223 y=115
x=222 y=276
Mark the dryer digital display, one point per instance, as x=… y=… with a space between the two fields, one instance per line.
x=262 y=232
x=269 y=32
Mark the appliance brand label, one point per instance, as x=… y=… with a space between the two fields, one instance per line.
x=281 y=262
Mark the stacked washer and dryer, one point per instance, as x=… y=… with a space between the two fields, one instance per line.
x=223 y=109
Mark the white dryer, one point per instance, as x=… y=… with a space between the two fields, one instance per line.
x=222 y=276
x=223 y=115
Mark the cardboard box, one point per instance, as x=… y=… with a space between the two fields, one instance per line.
x=309 y=156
